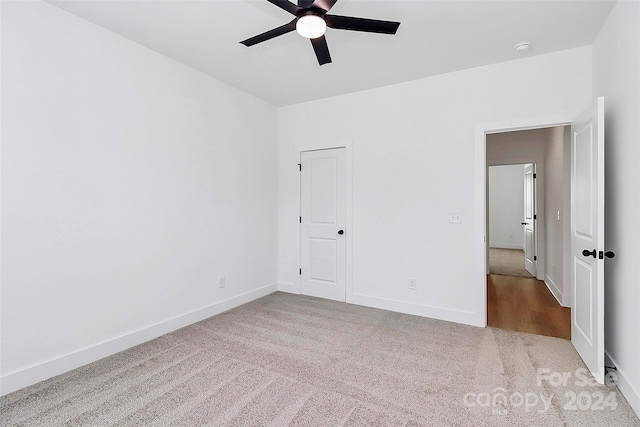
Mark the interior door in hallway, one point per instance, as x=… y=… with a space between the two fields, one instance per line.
x=529 y=223
x=322 y=223
x=587 y=237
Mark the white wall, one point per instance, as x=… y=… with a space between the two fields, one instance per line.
x=616 y=76
x=414 y=161
x=129 y=184
x=555 y=213
x=506 y=206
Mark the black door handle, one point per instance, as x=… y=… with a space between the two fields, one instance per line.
x=524 y=223
x=608 y=254
x=589 y=253
x=341 y=232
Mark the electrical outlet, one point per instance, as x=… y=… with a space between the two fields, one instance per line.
x=455 y=217
x=412 y=283
x=222 y=282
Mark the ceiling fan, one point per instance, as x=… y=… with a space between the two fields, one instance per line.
x=311 y=21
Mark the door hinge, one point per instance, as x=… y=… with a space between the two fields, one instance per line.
x=300 y=220
x=300 y=166
x=301 y=272
x=535 y=217
x=535 y=175
x=535 y=257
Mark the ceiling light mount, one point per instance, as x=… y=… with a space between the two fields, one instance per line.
x=523 y=47
x=311 y=25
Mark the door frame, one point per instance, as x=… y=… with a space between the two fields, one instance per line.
x=348 y=235
x=480 y=174
x=539 y=184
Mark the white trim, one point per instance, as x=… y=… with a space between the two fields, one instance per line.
x=624 y=385
x=348 y=146
x=555 y=291
x=33 y=374
x=526 y=123
x=566 y=300
x=291 y=288
x=516 y=161
x=480 y=261
x=433 y=312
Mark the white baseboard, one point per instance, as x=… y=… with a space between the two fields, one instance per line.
x=464 y=317
x=291 y=288
x=505 y=246
x=554 y=289
x=624 y=385
x=33 y=374
x=563 y=299
x=458 y=316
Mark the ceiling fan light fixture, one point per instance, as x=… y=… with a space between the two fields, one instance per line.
x=311 y=20
x=311 y=26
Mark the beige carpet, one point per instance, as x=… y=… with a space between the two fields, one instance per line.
x=302 y=361
x=507 y=262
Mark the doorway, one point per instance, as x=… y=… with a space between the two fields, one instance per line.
x=582 y=168
x=512 y=220
x=323 y=221
x=527 y=302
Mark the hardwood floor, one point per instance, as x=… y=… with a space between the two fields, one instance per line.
x=526 y=305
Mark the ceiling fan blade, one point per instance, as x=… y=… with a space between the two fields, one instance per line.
x=286 y=28
x=305 y=4
x=325 y=5
x=322 y=50
x=361 y=24
x=286 y=5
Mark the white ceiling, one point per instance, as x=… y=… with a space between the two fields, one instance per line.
x=434 y=37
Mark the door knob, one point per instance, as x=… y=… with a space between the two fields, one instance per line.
x=589 y=253
x=341 y=232
x=608 y=254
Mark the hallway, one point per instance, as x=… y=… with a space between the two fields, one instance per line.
x=526 y=305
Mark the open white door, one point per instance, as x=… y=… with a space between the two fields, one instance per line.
x=530 y=259
x=587 y=237
x=322 y=224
